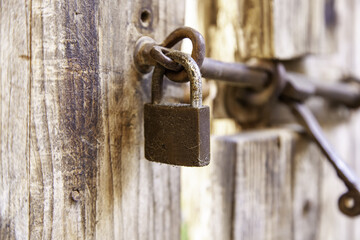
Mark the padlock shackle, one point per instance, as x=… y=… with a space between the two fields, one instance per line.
x=157 y=84
x=198 y=52
x=193 y=72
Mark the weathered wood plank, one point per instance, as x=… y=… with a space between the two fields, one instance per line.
x=15 y=80
x=72 y=164
x=262 y=199
x=145 y=195
x=247 y=191
x=261 y=184
x=207 y=203
x=64 y=119
x=306 y=189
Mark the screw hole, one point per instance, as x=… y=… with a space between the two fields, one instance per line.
x=145 y=18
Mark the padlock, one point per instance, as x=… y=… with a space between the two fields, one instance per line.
x=177 y=134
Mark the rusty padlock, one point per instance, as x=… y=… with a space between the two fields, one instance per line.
x=177 y=134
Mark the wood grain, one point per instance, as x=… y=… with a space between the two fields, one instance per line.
x=247 y=191
x=72 y=164
x=262 y=184
x=307 y=178
x=208 y=214
x=15 y=78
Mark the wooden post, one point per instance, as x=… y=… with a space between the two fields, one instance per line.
x=71 y=163
x=255 y=188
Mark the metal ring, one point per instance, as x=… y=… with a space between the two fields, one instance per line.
x=198 y=52
x=277 y=75
x=351 y=211
x=251 y=108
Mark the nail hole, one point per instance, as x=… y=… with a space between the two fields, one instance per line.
x=306 y=207
x=75 y=195
x=145 y=18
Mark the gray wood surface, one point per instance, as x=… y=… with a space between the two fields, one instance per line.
x=254 y=188
x=71 y=163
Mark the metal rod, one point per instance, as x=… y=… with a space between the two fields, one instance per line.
x=313 y=128
x=343 y=93
x=234 y=73
x=241 y=75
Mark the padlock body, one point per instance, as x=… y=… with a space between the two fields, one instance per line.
x=177 y=134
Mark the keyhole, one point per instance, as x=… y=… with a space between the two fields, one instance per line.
x=145 y=17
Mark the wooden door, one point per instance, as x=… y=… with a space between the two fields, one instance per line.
x=72 y=164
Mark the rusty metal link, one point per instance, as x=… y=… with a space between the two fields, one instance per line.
x=276 y=75
x=158 y=53
x=250 y=106
x=198 y=51
x=148 y=53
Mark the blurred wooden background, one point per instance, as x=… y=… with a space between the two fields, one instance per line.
x=274 y=183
